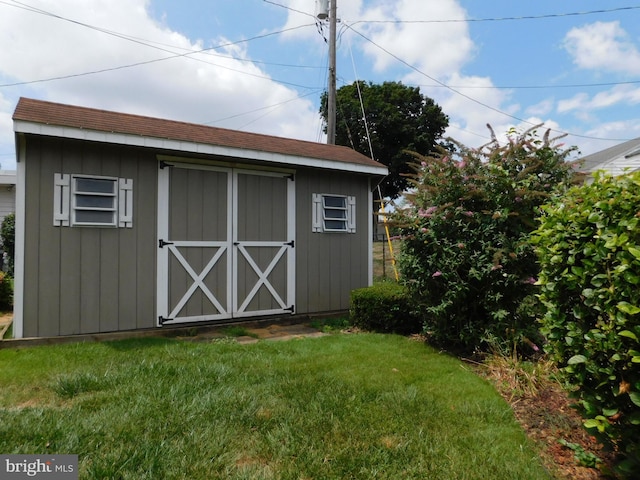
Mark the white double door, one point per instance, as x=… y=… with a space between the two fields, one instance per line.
x=226 y=246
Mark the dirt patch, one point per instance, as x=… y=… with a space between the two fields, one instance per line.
x=548 y=418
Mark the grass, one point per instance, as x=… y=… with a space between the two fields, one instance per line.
x=383 y=260
x=357 y=406
x=331 y=325
x=238 y=331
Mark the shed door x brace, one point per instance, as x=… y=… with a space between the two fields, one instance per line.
x=226 y=246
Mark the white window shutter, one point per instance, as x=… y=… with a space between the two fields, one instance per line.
x=317 y=213
x=125 y=202
x=61 y=198
x=351 y=214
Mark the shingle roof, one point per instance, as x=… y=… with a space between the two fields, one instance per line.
x=61 y=115
x=614 y=158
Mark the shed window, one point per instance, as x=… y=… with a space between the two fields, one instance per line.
x=83 y=200
x=94 y=201
x=334 y=213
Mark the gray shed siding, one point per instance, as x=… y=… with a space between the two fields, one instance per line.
x=82 y=280
x=86 y=280
x=330 y=265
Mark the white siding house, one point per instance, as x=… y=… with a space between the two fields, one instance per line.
x=7 y=193
x=616 y=160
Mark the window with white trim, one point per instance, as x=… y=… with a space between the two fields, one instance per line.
x=334 y=213
x=92 y=201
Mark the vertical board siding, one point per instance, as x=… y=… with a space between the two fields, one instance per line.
x=145 y=220
x=87 y=279
x=46 y=247
x=329 y=265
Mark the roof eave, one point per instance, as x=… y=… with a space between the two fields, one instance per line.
x=23 y=126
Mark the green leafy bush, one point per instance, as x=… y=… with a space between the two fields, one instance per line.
x=465 y=257
x=6 y=292
x=384 y=307
x=7 y=235
x=589 y=249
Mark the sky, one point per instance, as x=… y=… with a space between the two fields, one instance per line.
x=261 y=65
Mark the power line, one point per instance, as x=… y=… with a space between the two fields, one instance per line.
x=289 y=8
x=457 y=92
x=502 y=19
x=173 y=56
x=186 y=54
x=524 y=87
x=208 y=51
x=465 y=20
x=150 y=43
x=212 y=122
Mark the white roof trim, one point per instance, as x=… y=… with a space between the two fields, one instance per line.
x=633 y=153
x=22 y=126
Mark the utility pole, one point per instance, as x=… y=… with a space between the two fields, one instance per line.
x=331 y=97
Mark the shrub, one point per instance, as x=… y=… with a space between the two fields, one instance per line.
x=6 y=292
x=589 y=249
x=465 y=252
x=384 y=307
x=7 y=235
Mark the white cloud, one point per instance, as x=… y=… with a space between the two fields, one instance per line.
x=541 y=108
x=603 y=46
x=437 y=49
x=472 y=107
x=204 y=87
x=582 y=103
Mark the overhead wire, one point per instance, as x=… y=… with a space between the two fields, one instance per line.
x=208 y=51
x=382 y=203
x=465 y=20
x=474 y=100
x=523 y=87
x=162 y=59
x=189 y=54
x=502 y=19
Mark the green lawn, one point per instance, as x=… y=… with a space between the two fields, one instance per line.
x=359 y=406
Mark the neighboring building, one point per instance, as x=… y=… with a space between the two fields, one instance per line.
x=7 y=193
x=619 y=159
x=126 y=222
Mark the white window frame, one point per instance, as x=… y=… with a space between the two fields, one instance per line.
x=321 y=215
x=66 y=205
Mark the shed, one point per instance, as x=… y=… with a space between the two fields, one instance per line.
x=126 y=222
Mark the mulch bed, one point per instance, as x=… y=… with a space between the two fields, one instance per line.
x=547 y=417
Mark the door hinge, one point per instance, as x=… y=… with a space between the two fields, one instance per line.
x=292 y=243
x=162 y=320
x=162 y=243
x=291 y=309
x=164 y=164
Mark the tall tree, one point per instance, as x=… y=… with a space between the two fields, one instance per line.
x=399 y=119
